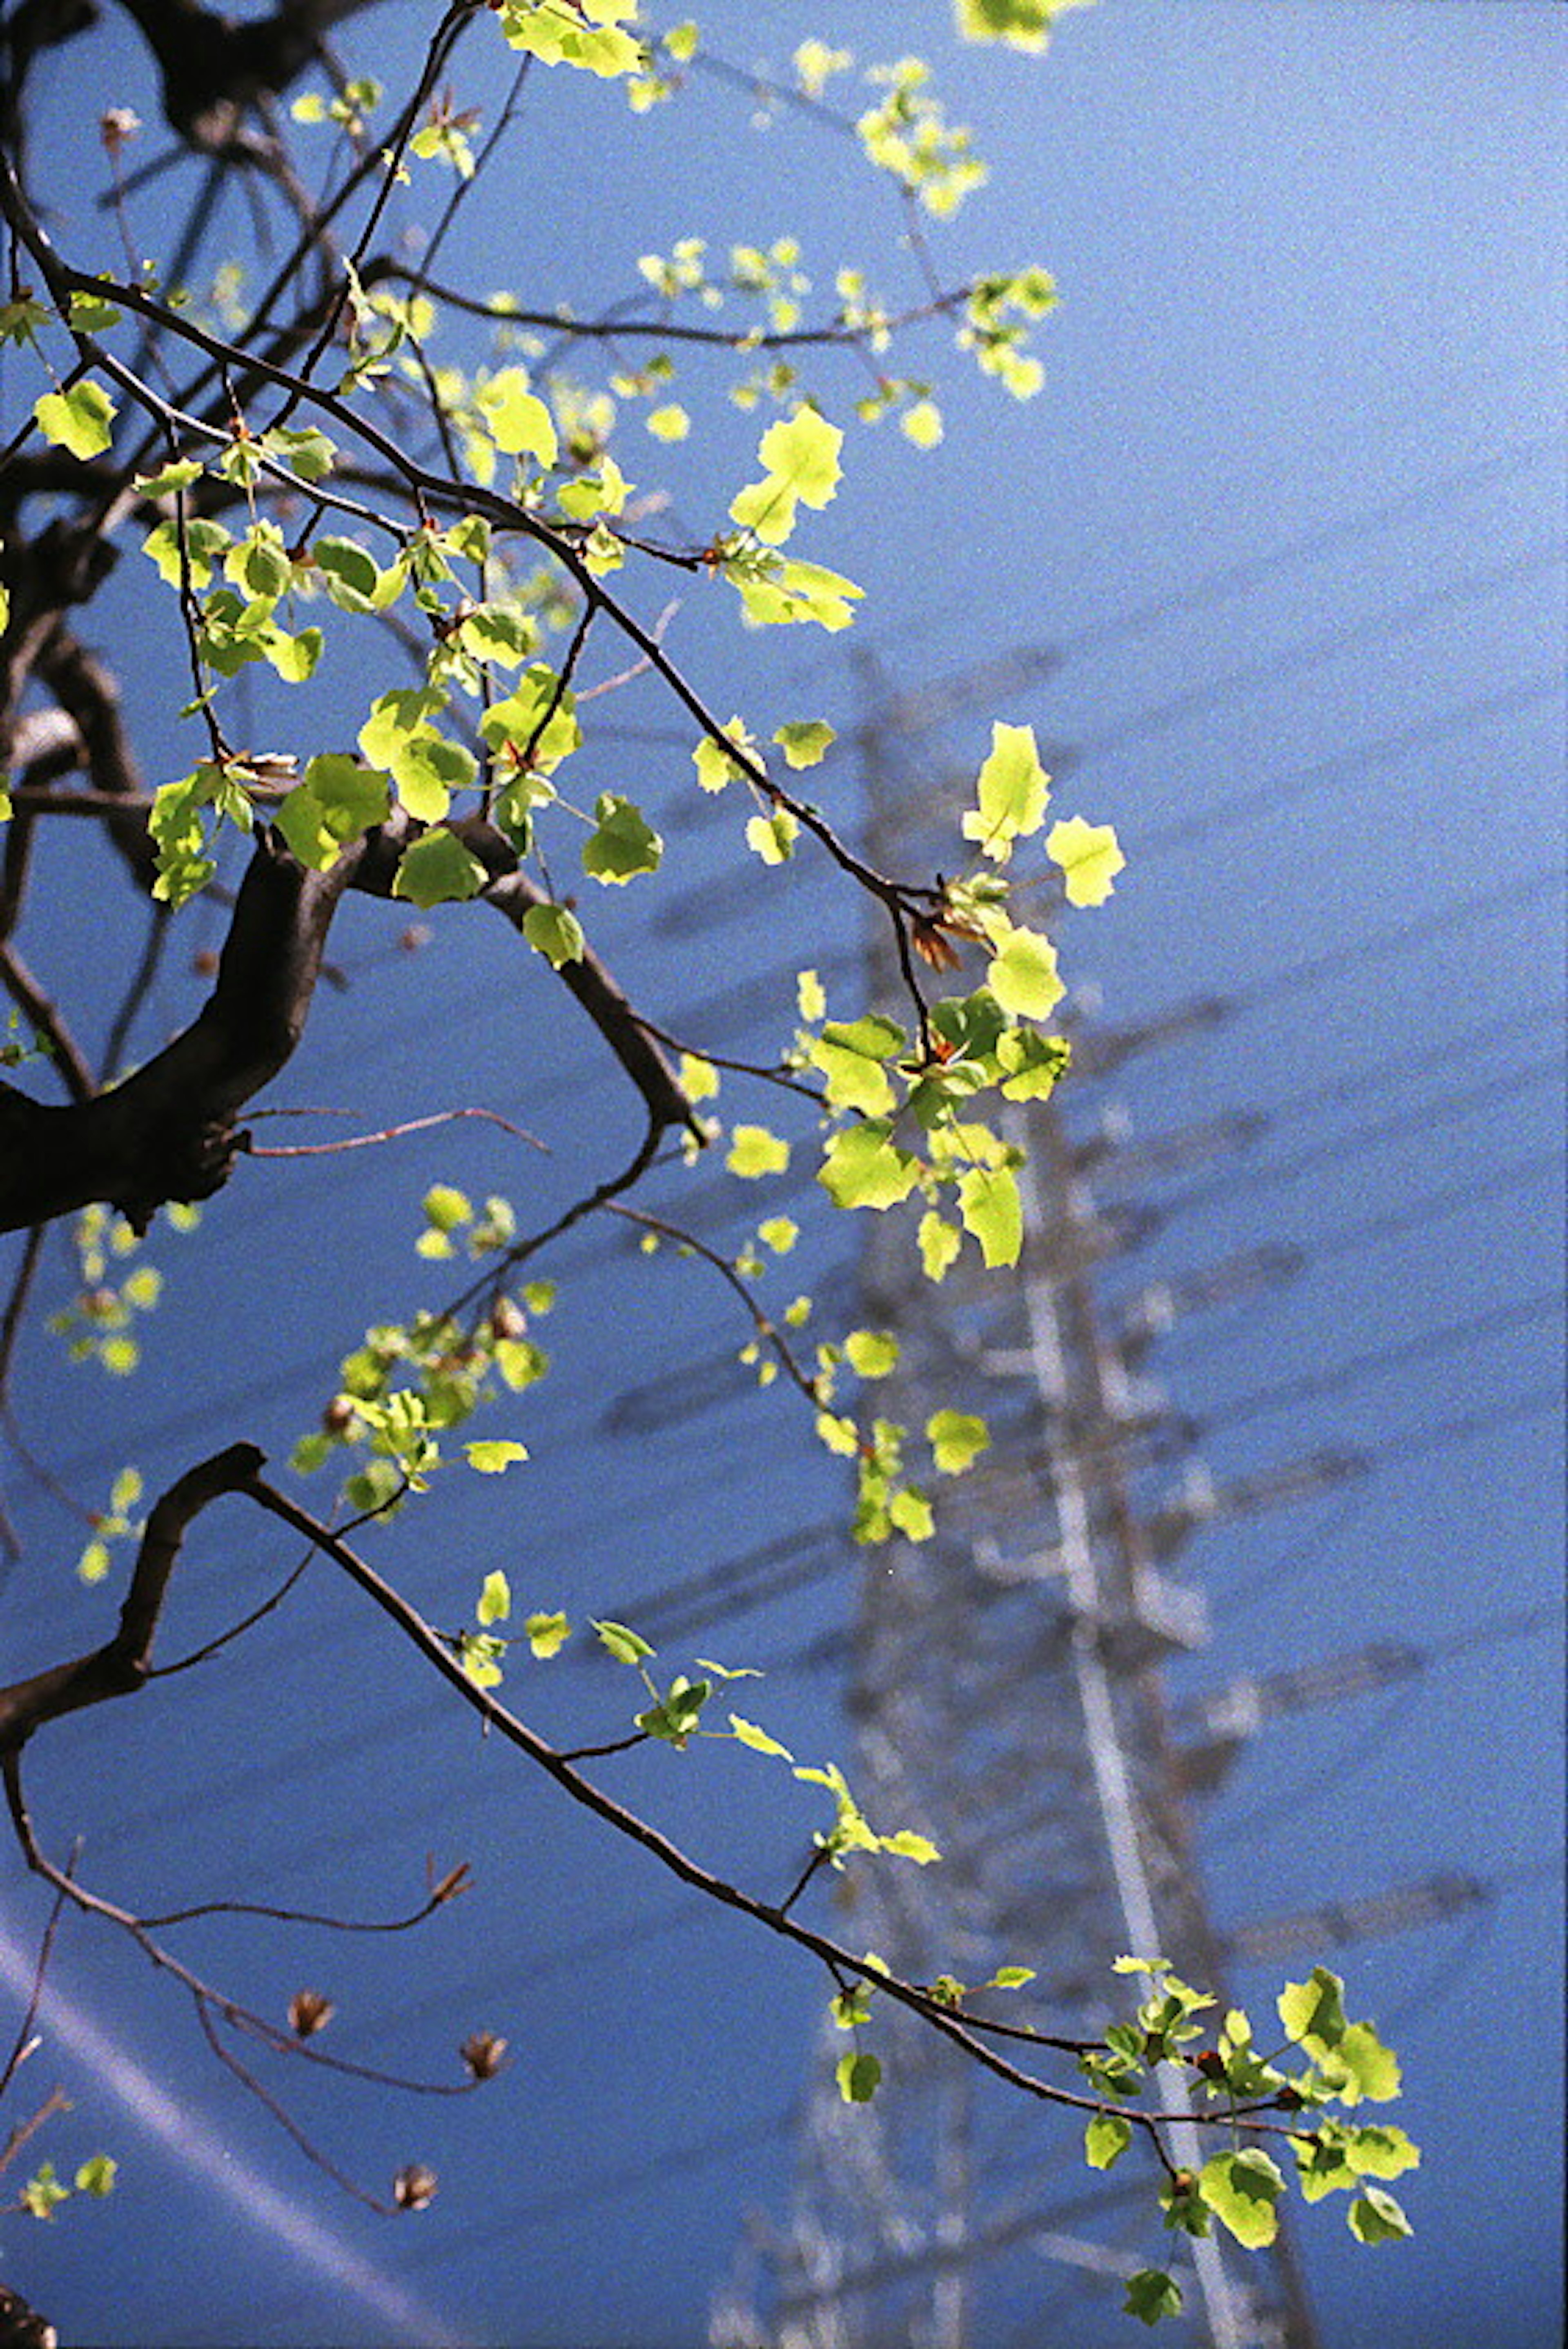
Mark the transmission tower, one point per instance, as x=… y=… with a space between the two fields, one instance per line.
x=1008 y=1700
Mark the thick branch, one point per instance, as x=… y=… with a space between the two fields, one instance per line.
x=121 y=1666
x=169 y=1132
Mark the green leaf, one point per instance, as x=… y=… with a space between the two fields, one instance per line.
x=43 y=2192
x=991 y=1209
x=714 y=765
x=859 y=2077
x=518 y=727
x=754 y=1152
x=851 y=1055
x=554 y=932
x=438 y=870
x=1022 y=976
x=864 y=1167
x=494 y=1454
x=351 y=574
x=1362 y=2067
x=800 y=458
x=426 y=770
x=168 y=478
x=807 y=742
x=305 y=451
x=338 y=800
x=676 y=1714
x=909 y=1513
x=1089 y=856
x=772 y=836
x=295 y=658
x=480 y=1655
x=940 y=1243
x=871 y=1353
x=907 y=1844
x=783 y=594
x=1106 y=2140
x=1381 y=2152
x=1033 y=1063
x=589 y=39
x=627 y=1647
x=957 y=1439
x=81 y=420
x=1010 y=792
x=547 y=1634
x=748 y=1733
x=396 y=718
x=1313 y=2012
x=445 y=1206
x=1242 y=2189
x=622 y=844
x=1375 y=2217
x=1152 y=2293
x=96 y=2175
x=494 y=1599
x=518 y=422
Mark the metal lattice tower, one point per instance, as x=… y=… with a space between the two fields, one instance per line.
x=1008 y=1699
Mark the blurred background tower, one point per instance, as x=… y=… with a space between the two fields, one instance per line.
x=1007 y=1691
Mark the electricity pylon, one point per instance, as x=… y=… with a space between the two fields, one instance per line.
x=1008 y=1700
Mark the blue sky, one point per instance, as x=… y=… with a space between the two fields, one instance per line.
x=1289 y=511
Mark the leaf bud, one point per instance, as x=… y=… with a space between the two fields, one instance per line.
x=414 y=2187
x=483 y=2052
x=310 y=2011
x=507 y=1318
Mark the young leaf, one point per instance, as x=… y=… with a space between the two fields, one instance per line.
x=748 y=1733
x=754 y=1152
x=800 y=457
x=991 y=1209
x=1152 y=2293
x=1375 y=2217
x=1022 y=976
x=864 y=1167
x=437 y=869
x=627 y=1647
x=1089 y=856
x=1242 y=2190
x=1105 y=2139
x=622 y=844
x=494 y=1455
x=957 y=1439
x=494 y=1599
x=547 y=1633
x=852 y=1056
x=519 y=423
x=81 y=420
x=1010 y=792
x=858 y=2077
x=554 y=932
x=807 y=742
x=907 y=1844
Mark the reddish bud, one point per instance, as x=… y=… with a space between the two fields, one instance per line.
x=310 y=2011
x=483 y=2053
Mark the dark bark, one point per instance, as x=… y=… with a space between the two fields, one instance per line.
x=170 y=1131
x=121 y=1666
